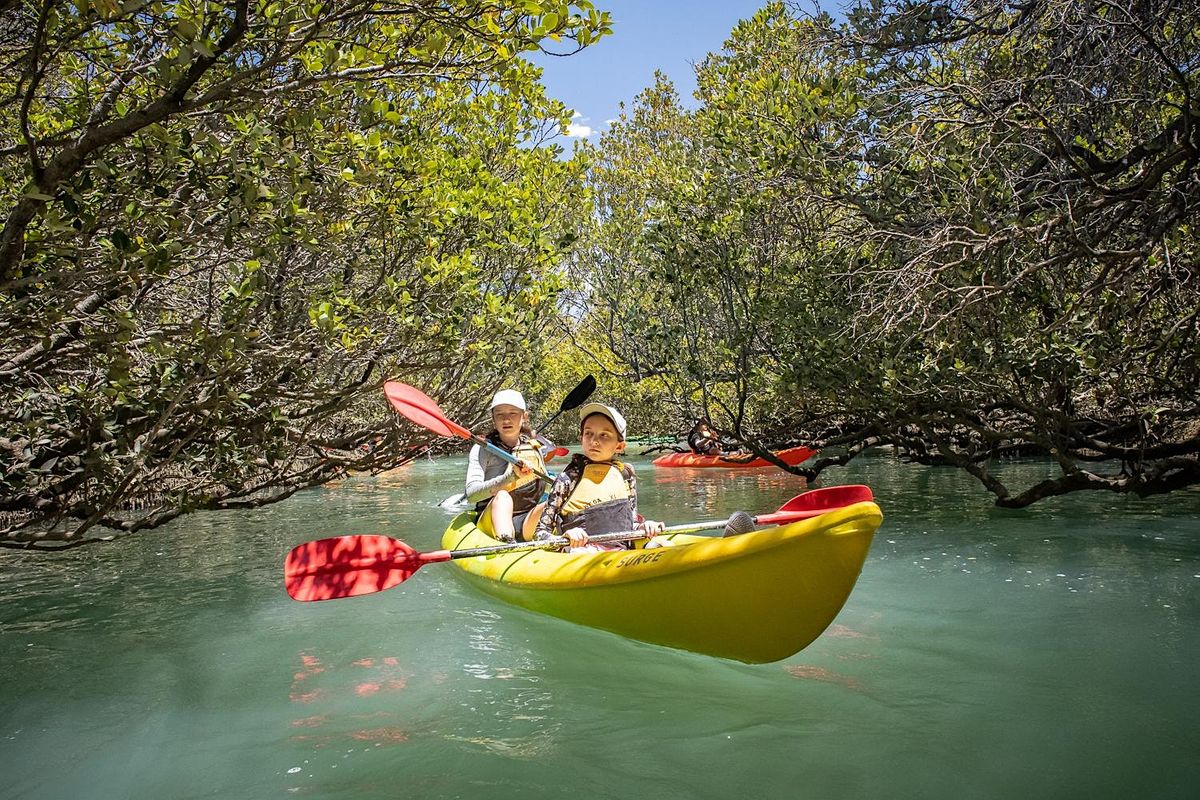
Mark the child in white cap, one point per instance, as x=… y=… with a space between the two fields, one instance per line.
x=596 y=493
x=506 y=496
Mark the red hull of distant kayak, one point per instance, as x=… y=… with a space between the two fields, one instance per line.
x=791 y=457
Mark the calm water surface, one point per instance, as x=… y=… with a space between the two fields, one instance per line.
x=1047 y=653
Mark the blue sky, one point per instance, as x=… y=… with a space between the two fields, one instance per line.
x=668 y=35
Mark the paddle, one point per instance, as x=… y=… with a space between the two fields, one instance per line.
x=419 y=408
x=347 y=566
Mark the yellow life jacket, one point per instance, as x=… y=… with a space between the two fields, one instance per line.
x=598 y=482
x=601 y=500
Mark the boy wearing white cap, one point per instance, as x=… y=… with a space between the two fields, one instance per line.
x=506 y=496
x=595 y=494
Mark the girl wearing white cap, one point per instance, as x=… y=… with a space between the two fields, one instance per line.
x=595 y=494
x=505 y=496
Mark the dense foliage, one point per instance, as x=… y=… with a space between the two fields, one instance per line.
x=964 y=229
x=226 y=223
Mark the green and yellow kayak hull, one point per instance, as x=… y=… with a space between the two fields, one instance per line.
x=757 y=598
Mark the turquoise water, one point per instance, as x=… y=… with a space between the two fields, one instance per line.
x=984 y=653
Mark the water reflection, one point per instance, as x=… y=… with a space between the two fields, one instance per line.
x=715 y=492
x=505 y=691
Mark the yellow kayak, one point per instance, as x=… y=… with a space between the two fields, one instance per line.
x=758 y=597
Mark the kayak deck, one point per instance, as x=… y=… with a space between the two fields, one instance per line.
x=756 y=598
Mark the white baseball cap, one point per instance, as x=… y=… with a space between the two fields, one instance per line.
x=508 y=397
x=613 y=415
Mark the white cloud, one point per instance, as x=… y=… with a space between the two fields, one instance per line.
x=576 y=128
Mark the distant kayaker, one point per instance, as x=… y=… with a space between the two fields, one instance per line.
x=703 y=440
x=506 y=496
x=595 y=494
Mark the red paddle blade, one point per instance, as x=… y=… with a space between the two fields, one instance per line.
x=557 y=452
x=817 y=502
x=420 y=409
x=829 y=497
x=345 y=566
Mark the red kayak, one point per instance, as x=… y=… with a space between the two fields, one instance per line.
x=792 y=456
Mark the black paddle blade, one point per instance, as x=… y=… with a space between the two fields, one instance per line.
x=580 y=393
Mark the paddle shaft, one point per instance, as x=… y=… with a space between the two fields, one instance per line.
x=810 y=504
x=509 y=457
x=557 y=414
x=560 y=541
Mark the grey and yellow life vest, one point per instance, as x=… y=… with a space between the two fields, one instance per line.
x=528 y=491
x=601 y=500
